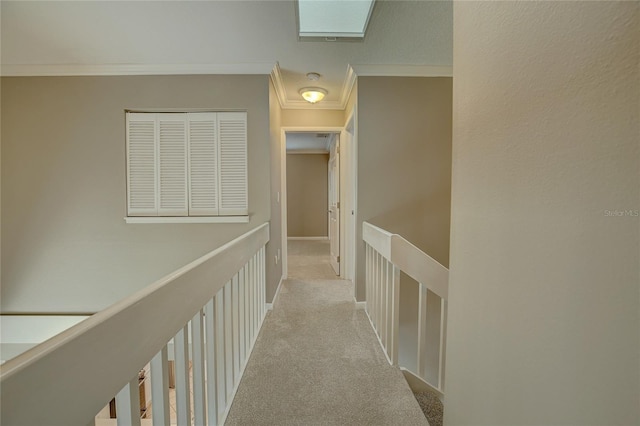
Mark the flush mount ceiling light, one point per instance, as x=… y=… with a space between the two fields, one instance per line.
x=333 y=20
x=313 y=94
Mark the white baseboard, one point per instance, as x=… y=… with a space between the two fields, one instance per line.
x=360 y=305
x=275 y=296
x=308 y=238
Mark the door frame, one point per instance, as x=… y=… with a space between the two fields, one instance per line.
x=349 y=197
x=283 y=189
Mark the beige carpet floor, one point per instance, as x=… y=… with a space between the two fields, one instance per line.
x=317 y=360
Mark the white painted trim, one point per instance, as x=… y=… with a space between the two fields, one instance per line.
x=347 y=86
x=278 y=85
x=407 y=70
x=275 y=296
x=186 y=219
x=19 y=70
x=360 y=305
x=307 y=238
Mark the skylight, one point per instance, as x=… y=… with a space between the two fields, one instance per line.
x=333 y=19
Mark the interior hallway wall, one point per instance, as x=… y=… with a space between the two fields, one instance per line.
x=66 y=247
x=274 y=248
x=404 y=162
x=544 y=305
x=307 y=195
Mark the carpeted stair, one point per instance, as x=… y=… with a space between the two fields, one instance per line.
x=431 y=407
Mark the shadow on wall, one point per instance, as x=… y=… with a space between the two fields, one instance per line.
x=424 y=222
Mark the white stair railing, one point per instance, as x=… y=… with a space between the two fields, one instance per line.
x=386 y=254
x=212 y=308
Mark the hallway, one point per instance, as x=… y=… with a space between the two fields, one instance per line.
x=317 y=359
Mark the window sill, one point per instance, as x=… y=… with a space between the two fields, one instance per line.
x=187 y=219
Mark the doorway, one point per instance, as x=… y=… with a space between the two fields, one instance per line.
x=340 y=234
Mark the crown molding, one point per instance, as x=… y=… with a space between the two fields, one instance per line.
x=40 y=70
x=285 y=103
x=276 y=79
x=390 y=70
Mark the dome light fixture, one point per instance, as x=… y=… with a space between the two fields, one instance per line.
x=313 y=94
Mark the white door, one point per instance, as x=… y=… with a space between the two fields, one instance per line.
x=334 y=206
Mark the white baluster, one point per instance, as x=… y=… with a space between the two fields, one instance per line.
x=128 y=404
x=254 y=305
x=220 y=352
x=383 y=303
x=443 y=343
x=242 y=317
x=183 y=392
x=389 y=308
x=160 y=388
x=370 y=288
x=228 y=338
x=395 y=317
x=212 y=379
x=263 y=289
x=422 y=331
x=197 y=342
x=235 y=312
x=247 y=311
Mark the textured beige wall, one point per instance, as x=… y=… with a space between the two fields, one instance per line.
x=544 y=291
x=66 y=247
x=404 y=162
x=274 y=248
x=307 y=195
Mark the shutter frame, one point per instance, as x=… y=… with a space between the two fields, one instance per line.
x=186 y=164
x=203 y=167
x=141 y=151
x=171 y=164
x=232 y=139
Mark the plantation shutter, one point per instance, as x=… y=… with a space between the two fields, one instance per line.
x=141 y=165
x=232 y=138
x=172 y=164
x=203 y=164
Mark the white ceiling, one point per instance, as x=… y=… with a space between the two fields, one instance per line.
x=236 y=37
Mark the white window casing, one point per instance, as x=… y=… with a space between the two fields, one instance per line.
x=187 y=164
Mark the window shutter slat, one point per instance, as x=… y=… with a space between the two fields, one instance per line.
x=141 y=165
x=232 y=136
x=203 y=164
x=172 y=162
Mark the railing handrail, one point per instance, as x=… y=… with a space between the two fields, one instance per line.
x=409 y=258
x=104 y=351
